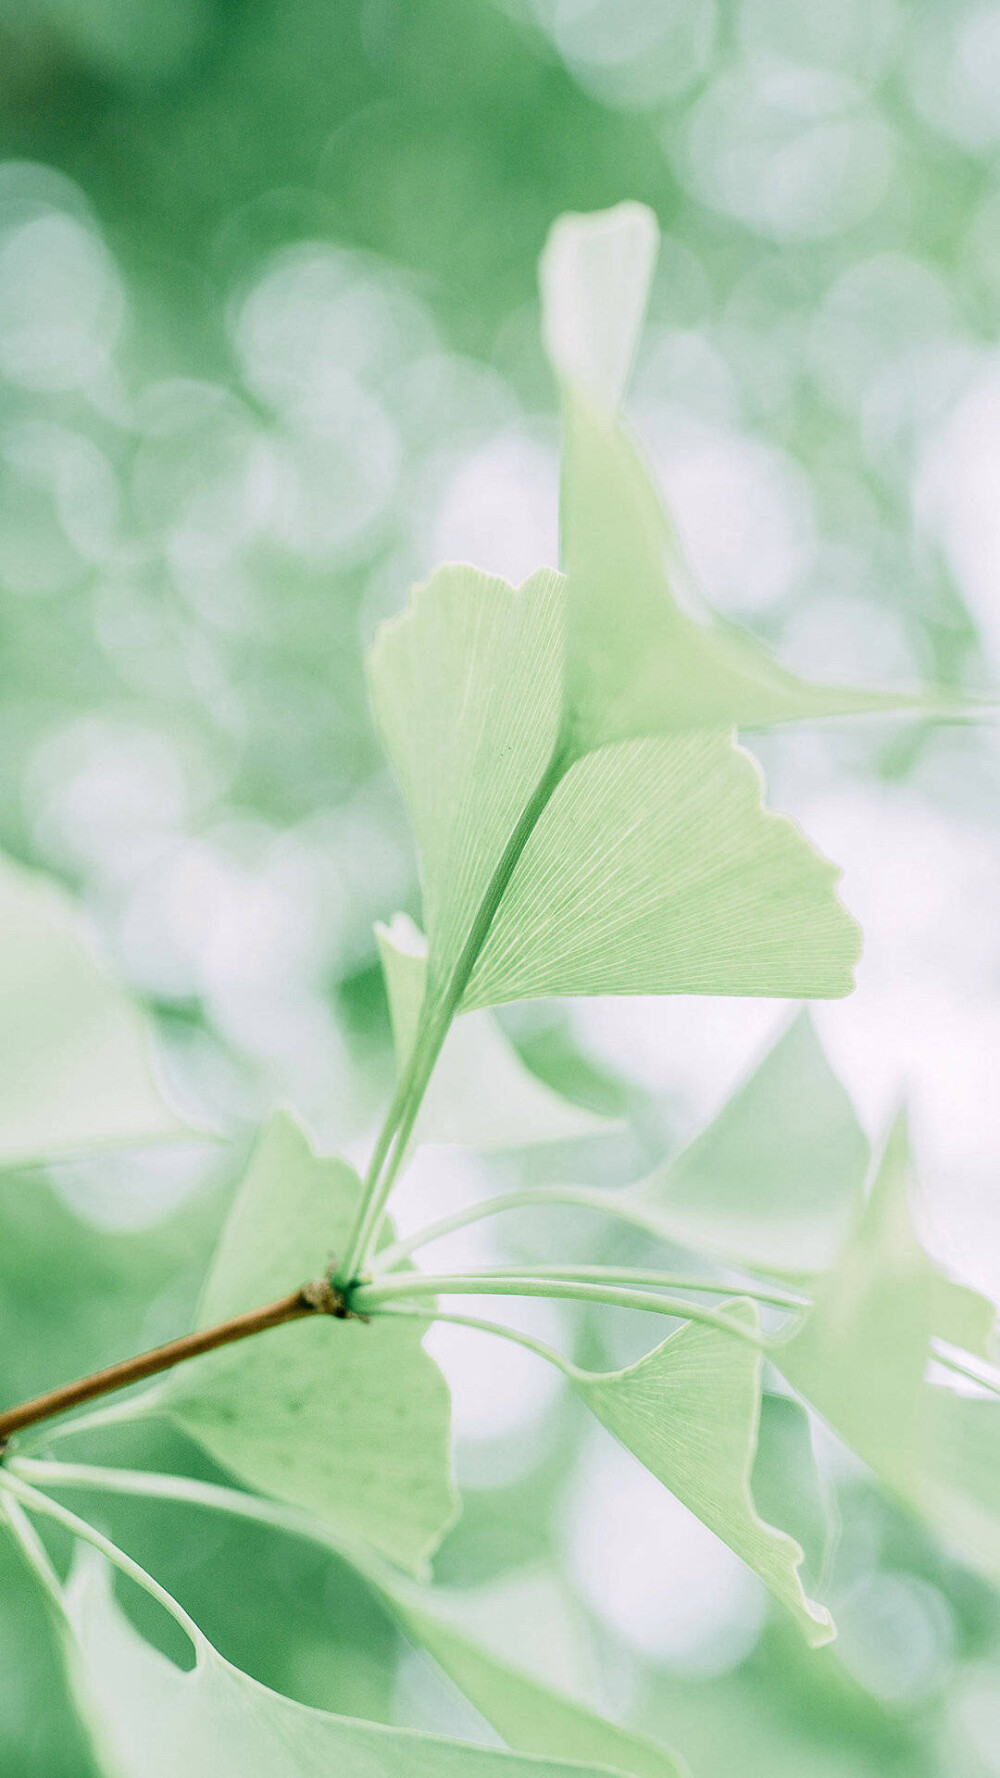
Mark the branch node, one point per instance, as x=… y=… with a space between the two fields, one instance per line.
x=327 y=1297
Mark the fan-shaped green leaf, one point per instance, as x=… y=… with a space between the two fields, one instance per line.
x=637 y=661
x=655 y=869
x=787 y=1486
x=860 y=1356
x=690 y=1411
x=481 y=1093
x=957 y=1485
x=157 y=1722
x=349 y=1421
x=776 y=1180
x=75 y=1067
x=466 y=688
x=595 y=274
x=530 y=1716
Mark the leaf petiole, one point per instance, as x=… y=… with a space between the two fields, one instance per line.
x=545 y=1284
x=439 y=1010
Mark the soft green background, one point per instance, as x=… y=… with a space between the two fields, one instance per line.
x=268 y=350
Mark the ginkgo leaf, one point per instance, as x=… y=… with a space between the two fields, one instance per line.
x=861 y=1355
x=652 y=867
x=156 y=1721
x=637 y=661
x=466 y=688
x=480 y=1094
x=957 y=1485
x=595 y=272
x=776 y=1180
x=689 y=1411
x=347 y=1420
x=531 y=1716
x=33 y=1663
x=75 y=1053
x=655 y=869
x=786 y=1484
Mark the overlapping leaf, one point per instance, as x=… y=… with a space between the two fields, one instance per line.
x=155 y=1721
x=637 y=661
x=689 y=1411
x=593 y=715
x=776 y=1180
x=861 y=1355
x=481 y=1093
x=348 y=1421
x=466 y=688
x=656 y=870
x=75 y=1063
x=529 y=1715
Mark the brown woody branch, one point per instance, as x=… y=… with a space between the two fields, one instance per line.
x=319 y=1298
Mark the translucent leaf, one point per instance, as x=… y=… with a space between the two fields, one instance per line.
x=957 y=1487
x=158 y=1722
x=595 y=275
x=638 y=662
x=690 y=1411
x=530 y=1716
x=787 y=1487
x=347 y=1420
x=75 y=1065
x=655 y=869
x=466 y=688
x=776 y=1180
x=39 y=1721
x=861 y=1355
x=481 y=1093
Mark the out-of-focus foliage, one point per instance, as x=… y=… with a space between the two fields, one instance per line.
x=268 y=350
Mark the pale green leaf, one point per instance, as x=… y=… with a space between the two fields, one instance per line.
x=595 y=274
x=962 y=1316
x=466 y=688
x=957 y=1486
x=655 y=869
x=75 y=1054
x=776 y=1180
x=641 y=657
x=787 y=1486
x=690 y=1412
x=860 y=1356
x=638 y=662
x=480 y=1094
x=530 y=1716
x=159 y=1722
x=347 y=1420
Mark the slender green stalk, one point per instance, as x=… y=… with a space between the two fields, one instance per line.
x=50 y=1509
x=639 y=1278
x=32 y=1547
x=410 y=1312
x=390 y=1257
x=967 y=1371
x=115 y=1413
x=155 y=1485
x=436 y=1019
x=580 y=1196
x=371 y=1296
